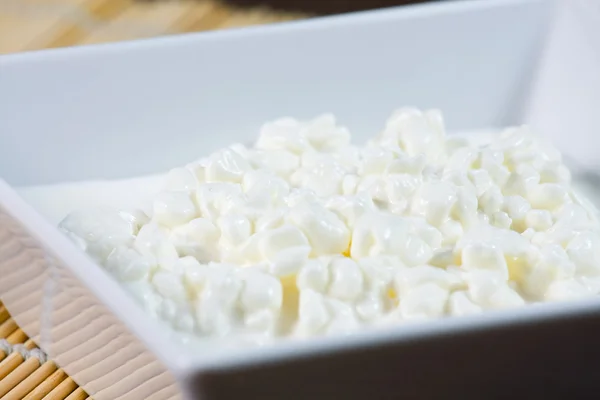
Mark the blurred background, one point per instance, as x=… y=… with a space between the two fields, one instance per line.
x=41 y=24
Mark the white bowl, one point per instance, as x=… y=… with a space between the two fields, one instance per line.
x=143 y=107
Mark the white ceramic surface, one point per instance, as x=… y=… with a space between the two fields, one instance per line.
x=121 y=110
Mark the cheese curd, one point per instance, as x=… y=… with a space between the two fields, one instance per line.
x=305 y=234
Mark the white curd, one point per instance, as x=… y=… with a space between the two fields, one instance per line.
x=306 y=234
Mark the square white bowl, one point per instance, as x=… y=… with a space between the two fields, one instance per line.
x=146 y=106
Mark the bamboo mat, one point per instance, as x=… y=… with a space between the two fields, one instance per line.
x=27 y=25
x=43 y=24
x=25 y=373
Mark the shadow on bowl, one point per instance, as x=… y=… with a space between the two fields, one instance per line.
x=323 y=7
x=318 y=7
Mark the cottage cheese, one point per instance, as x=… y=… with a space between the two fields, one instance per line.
x=306 y=234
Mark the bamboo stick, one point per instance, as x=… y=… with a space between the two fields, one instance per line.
x=9 y=364
x=18 y=375
x=78 y=394
x=18 y=336
x=31 y=382
x=46 y=386
x=4 y=315
x=61 y=391
x=7 y=327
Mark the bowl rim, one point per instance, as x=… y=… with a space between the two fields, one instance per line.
x=150 y=331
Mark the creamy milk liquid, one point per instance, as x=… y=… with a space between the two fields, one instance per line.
x=56 y=201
